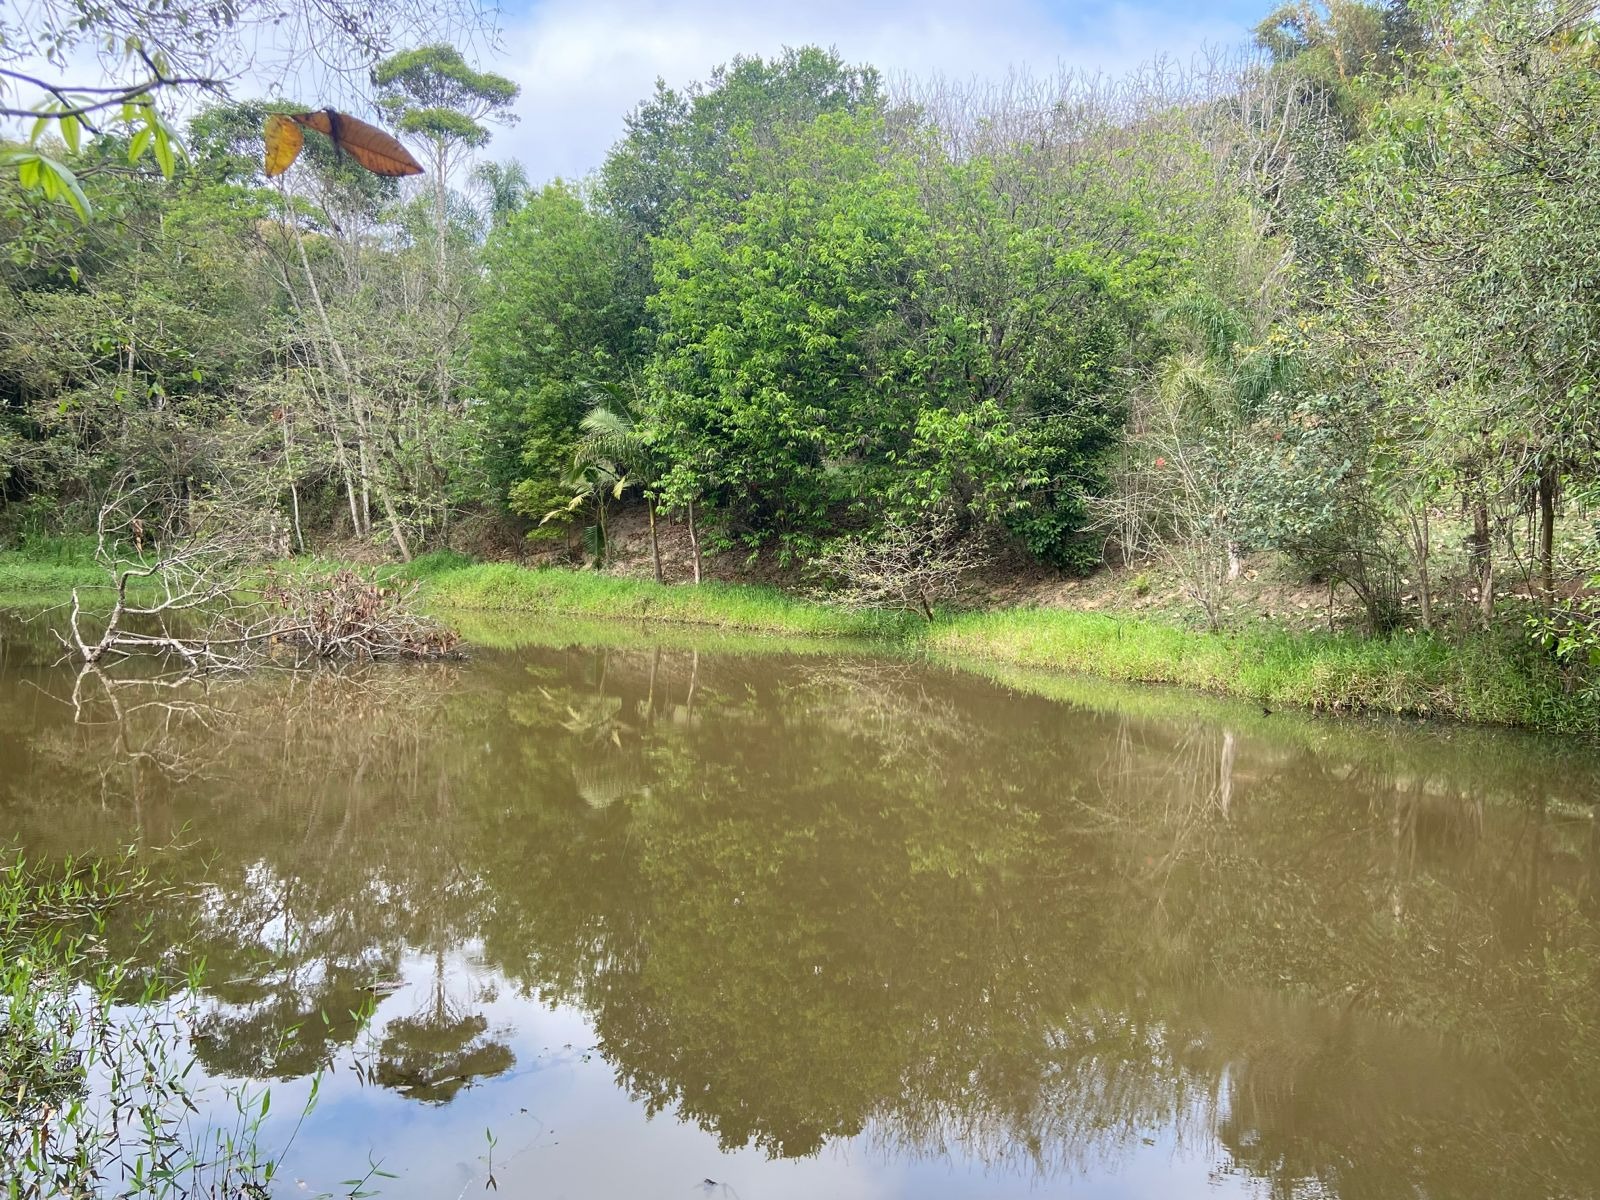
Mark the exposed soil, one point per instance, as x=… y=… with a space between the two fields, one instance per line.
x=1267 y=591
x=1013 y=580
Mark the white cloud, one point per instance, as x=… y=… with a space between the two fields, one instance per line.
x=583 y=64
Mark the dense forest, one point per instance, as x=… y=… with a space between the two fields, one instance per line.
x=1332 y=298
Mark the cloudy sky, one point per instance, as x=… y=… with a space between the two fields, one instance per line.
x=583 y=64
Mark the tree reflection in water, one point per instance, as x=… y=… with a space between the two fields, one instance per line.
x=804 y=899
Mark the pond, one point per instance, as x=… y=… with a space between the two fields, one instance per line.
x=646 y=914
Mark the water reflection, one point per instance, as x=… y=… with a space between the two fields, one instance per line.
x=802 y=902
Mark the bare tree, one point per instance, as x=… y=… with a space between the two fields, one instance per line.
x=171 y=569
x=1171 y=501
x=908 y=565
x=144 y=49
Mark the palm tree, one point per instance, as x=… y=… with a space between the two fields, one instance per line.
x=613 y=455
x=611 y=433
x=504 y=187
x=593 y=482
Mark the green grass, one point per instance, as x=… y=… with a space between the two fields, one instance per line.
x=48 y=568
x=1489 y=680
x=501 y=587
x=1484 y=681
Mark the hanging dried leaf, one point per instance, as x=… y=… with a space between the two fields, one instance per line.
x=370 y=146
x=284 y=140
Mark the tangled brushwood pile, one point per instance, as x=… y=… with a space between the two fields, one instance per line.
x=183 y=586
x=350 y=615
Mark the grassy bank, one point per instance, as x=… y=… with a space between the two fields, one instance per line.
x=1492 y=681
x=1485 y=681
x=47 y=569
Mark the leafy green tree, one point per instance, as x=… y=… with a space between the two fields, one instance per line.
x=561 y=310
x=1471 y=310
x=679 y=145
x=776 y=389
x=1035 y=290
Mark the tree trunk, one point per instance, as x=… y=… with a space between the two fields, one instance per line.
x=343 y=458
x=441 y=221
x=395 y=530
x=1482 y=555
x=364 y=471
x=315 y=372
x=655 y=546
x=294 y=491
x=364 y=521
x=694 y=541
x=1421 y=549
x=441 y=171
x=1548 y=482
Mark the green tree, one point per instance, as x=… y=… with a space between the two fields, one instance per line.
x=561 y=310
x=1034 y=293
x=443 y=104
x=776 y=389
x=1472 y=309
x=679 y=145
x=614 y=439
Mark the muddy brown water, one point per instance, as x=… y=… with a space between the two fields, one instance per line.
x=670 y=917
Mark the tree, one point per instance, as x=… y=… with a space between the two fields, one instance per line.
x=444 y=105
x=561 y=311
x=503 y=189
x=776 y=388
x=1472 y=304
x=677 y=146
x=1034 y=288
x=613 y=440
x=906 y=565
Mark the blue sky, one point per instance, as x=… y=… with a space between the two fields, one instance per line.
x=583 y=63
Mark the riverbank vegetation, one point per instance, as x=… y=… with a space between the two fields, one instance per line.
x=1497 y=682
x=1326 y=301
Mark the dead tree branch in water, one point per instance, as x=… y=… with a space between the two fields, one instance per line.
x=189 y=583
